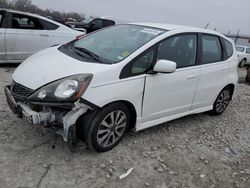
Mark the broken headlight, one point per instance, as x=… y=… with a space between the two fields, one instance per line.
x=68 y=89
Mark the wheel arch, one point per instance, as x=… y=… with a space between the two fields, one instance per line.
x=87 y=117
x=231 y=86
x=132 y=111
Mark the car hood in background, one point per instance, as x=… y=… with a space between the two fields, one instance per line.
x=49 y=65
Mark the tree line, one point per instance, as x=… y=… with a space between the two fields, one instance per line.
x=28 y=6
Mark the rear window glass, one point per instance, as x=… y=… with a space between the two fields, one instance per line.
x=211 y=49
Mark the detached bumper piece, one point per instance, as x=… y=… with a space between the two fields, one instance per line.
x=12 y=103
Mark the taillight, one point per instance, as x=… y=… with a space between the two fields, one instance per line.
x=80 y=36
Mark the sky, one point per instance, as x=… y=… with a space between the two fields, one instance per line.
x=224 y=15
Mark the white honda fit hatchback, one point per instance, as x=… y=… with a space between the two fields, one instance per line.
x=122 y=77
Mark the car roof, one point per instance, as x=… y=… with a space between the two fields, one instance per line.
x=170 y=27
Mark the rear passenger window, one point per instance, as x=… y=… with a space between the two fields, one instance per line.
x=229 y=49
x=248 y=50
x=179 y=49
x=211 y=49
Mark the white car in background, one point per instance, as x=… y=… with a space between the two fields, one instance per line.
x=22 y=34
x=243 y=55
x=131 y=76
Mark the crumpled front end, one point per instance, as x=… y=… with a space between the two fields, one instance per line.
x=58 y=116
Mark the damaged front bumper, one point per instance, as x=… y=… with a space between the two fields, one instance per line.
x=47 y=115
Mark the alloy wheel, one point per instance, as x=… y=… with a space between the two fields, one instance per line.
x=222 y=101
x=111 y=128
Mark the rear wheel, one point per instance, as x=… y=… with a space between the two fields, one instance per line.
x=222 y=101
x=107 y=127
x=242 y=63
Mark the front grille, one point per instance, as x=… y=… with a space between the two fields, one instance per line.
x=20 y=91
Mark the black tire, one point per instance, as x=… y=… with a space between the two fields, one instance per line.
x=242 y=63
x=100 y=123
x=72 y=140
x=222 y=101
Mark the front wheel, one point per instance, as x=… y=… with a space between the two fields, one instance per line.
x=108 y=126
x=222 y=101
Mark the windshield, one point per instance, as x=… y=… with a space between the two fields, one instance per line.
x=87 y=20
x=240 y=49
x=116 y=43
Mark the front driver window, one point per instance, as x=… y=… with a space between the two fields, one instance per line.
x=180 y=49
x=143 y=63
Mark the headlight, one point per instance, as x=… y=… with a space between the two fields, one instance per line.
x=67 y=89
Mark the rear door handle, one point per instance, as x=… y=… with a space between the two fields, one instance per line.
x=192 y=76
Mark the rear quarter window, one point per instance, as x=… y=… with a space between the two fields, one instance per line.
x=228 y=51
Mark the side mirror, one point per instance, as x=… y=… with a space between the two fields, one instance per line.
x=165 y=66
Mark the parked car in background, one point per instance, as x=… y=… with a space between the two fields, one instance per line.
x=131 y=76
x=91 y=24
x=22 y=34
x=57 y=19
x=243 y=55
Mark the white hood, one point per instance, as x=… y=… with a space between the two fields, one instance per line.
x=49 y=65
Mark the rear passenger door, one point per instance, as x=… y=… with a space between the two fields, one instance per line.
x=25 y=36
x=214 y=71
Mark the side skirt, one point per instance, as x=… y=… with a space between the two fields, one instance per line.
x=141 y=126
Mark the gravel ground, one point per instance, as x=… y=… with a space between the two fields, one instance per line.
x=194 y=151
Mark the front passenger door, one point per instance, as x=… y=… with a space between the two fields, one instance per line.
x=172 y=94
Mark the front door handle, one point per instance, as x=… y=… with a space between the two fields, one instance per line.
x=224 y=69
x=192 y=76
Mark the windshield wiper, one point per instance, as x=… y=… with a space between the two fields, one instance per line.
x=91 y=54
